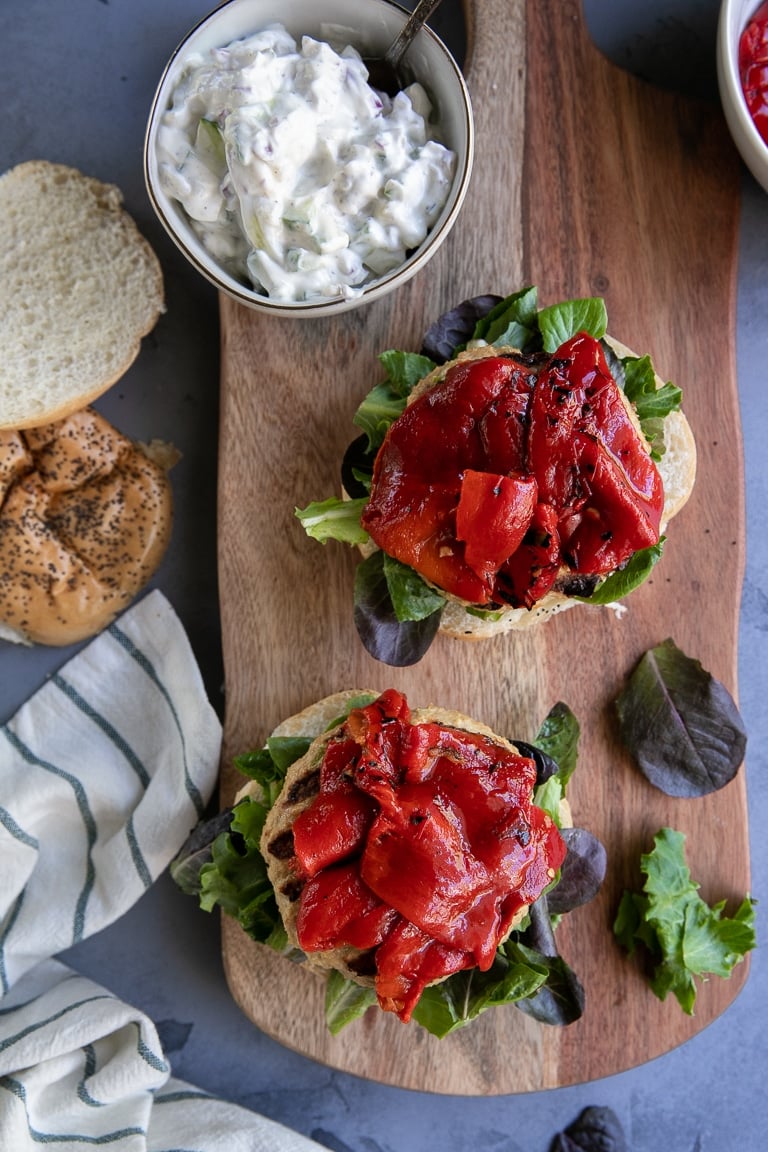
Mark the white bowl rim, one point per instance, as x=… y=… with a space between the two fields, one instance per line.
x=733 y=19
x=320 y=307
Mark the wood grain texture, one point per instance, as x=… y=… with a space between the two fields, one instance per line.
x=587 y=181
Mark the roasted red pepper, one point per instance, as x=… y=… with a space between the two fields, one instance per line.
x=589 y=461
x=753 y=68
x=501 y=474
x=336 y=904
x=432 y=862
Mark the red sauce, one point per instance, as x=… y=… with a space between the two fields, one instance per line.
x=753 y=68
x=501 y=474
x=422 y=845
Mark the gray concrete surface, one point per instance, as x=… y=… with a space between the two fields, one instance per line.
x=76 y=80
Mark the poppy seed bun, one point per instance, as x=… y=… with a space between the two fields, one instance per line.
x=678 y=472
x=85 y=517
x=298 y=792
x=80 y=288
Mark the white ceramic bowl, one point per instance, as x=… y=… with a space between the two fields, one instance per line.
x=372 y=25
x=734 y=17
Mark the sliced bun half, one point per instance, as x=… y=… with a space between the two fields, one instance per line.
x=80 y=288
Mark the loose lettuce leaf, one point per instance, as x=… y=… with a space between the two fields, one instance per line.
x=681 y=724
x=685 y=936
x=334 y=519
x=624 y=580
x=392 y=641
x=595 y=1129
x=559 y=322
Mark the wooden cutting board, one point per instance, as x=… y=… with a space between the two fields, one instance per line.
x=587 y=182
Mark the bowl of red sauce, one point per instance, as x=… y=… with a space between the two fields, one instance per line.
x=742 y=73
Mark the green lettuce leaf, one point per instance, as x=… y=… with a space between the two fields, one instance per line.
x=226 y=868
x=492 y=614
x=558 y=737
x=334 y=519
x=640 y=388
x=412 y=598
x=236 y=878
x=361 y=700
x=511 y=322
x=559 y=322
x=405 y=370
x=624 y=580
x=380 y=408
x=685 y=936
x=652 y=404
x=345 y=1001
x=516 y=974
x=387 y=400
x=268 y=766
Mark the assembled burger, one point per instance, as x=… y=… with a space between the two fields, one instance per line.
x=536 y=467
x=394 y=850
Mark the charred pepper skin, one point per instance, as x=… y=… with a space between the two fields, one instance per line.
x=498 y=478
x=421 y=848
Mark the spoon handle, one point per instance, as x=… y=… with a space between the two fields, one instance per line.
x=419 y=16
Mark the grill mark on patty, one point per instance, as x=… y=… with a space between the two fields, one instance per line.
x=281 y=846
x=305 y=788
x=292 y=889
x=364 y=964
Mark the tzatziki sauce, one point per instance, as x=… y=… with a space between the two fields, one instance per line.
x=296 y=175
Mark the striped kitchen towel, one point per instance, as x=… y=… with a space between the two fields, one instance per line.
x=103 y=773
x=80 y=1069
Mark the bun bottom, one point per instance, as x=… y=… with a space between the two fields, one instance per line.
x=459 y=624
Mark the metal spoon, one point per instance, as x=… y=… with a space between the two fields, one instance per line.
x=384 y=72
